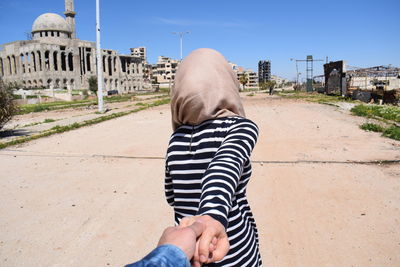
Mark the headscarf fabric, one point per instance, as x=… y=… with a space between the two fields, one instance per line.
x=205 y=88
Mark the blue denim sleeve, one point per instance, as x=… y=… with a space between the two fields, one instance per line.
x=163 y=256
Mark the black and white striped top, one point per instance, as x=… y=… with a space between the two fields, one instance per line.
x=207 y=171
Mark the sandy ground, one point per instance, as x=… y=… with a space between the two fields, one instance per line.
x=94 y=196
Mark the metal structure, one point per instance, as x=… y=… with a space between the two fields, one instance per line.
x=377 y=71
x=181 y=34
x=309 y=70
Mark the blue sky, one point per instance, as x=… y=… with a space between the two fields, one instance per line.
x=364 y=33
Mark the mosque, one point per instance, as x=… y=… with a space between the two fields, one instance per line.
x=55 y=58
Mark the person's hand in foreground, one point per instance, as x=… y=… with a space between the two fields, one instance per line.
x=213 y=243
x=183 y=237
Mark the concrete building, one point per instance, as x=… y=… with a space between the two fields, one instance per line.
x=55 y=58
x=264 y=71
x=164 y=71
x=252 y=77
x=140 y=52
x=279 y=80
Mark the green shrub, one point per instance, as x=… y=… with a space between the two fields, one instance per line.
x=93 y=84
x=7 y=106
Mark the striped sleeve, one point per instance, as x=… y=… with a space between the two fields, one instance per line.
x=221 y=179
x=168 y=188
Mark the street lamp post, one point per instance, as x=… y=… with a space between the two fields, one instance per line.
x=99 y=59
x=181 y=34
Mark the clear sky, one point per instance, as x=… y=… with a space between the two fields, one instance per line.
x=364 y=33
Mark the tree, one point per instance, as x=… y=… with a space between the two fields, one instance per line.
x=7 y=106
x=268 y=85
x=243 y=79
x=93 y=84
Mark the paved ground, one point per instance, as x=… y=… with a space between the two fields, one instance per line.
x=94 y=196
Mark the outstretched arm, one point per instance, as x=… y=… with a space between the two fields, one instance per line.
x=219 y=185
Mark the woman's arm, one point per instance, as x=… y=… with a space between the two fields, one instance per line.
x=169 y=192
x=221 y=179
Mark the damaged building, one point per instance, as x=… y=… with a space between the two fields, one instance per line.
x=374 y=83
x=55 y=58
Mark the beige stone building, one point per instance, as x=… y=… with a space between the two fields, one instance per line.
x=55 y=58
x=141 y=52
x=164 y=71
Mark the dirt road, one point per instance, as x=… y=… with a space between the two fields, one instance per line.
x=94 y=196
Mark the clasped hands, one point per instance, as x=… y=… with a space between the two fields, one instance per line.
x=202 y=238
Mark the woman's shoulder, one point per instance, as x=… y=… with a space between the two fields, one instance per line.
x=241 y=121
x=217 y=123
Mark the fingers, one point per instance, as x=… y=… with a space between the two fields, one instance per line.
x=197 y=228
x=221 y=250
x=188 y=221
x=204 y=244
x=195 y=260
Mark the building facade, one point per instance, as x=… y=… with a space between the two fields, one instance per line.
x=264 y=71
x=55 y=58
x=140 y=52
x=164 y=71
x=252 y=77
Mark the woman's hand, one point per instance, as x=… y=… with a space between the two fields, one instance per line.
x=183 y=237
x=213 y=243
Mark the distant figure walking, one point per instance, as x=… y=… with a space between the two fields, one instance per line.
x=208 y=158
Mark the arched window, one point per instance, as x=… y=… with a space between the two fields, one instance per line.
x=9 y=66
x=1 y=67
x=88 y=61
x=34 y=61
x=109 y=66
x=63 y=61
x=22 y=59
x=40 y=60
x=47 y=60
x=14 y=62
x=71 y=62
x=55 y=63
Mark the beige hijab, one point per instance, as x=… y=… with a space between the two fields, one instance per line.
x=205 y=88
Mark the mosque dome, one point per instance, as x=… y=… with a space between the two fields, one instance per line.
x=50 y=22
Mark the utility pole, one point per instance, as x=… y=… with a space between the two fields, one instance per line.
x=181 y=34
x=99 y=59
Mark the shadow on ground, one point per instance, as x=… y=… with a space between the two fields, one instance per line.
x=11 y=133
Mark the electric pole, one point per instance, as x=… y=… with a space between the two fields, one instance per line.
x=99 y=59
x=181 y=34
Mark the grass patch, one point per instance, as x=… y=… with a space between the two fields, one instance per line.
x=314 y=97
x=372 y=127
x=386 y=112
x=48 y=120
x=392 y=132
x=58 y=105
x=39 y=122
x=24 y=109
x=76 y=125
